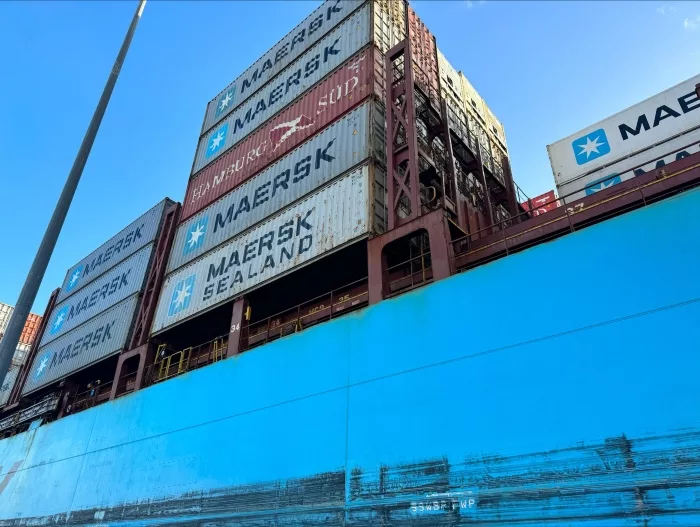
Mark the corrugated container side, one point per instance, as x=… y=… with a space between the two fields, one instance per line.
x=8 y=384
x=118 y=248
x=641 y=126
x=497 y=131
x=473 y=102
x=424 y=54
x=5 y=315
x=21 y=354
x=346 y=88
x=31 y=327
x=112 y=287
x=677 y=148
x=347 y=142
x=324 y=221
x=319 y=61
x=104 y=335
x=306 y=34
x=450 y=83
x=389 y=21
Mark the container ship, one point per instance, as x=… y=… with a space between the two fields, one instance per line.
x=355 y=317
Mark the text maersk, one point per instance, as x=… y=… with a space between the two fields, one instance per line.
x=253 y=79
x=101 y=336
x=686 y=104
x=275 y=96
x=269 y=250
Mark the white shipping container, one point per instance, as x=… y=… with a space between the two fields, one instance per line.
x=318 y=62
x=347 y=142
x=653 y=121
x=326 y=220
x=118 y=248
x=677 y=148
x=5 y=315
x=110 y=288
x=8 y=384
x=306 y=34
x=104 y=335
x=21 y=354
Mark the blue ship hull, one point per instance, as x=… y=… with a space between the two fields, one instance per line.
x=576 y=403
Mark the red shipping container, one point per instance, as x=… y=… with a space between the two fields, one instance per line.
x=340 y=92
x=424 y=52
x=542 y=203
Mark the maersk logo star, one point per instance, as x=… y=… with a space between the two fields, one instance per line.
x=182 y=295
x=217 y=140
x=226 y=101
x=591 y=146
x=196 y=235
x=603 y=183
x=59 y=320
x=74 y=278
x=43 y=363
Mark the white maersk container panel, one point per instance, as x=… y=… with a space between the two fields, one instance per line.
x=322 y=59
x=306 y=34
x=326 y=220
x=117 y=249
x=677 y=148
x=8 y=384
x=110 y=288
x=101 y=337
x=21 y=354
x=626 y=133
x=342 y=145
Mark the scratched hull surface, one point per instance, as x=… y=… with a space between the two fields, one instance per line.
x=583 y=411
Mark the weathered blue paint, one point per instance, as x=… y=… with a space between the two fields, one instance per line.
x=455 y=404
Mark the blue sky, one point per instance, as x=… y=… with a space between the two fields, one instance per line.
x=546 y=69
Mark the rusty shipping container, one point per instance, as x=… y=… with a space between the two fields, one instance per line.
x=346 y=88
x=8 y=384
x=320 y=60
x=104 y=335
x=109 y=289
x=31 y=327
x=115 y=250
x=349 y=141
x=328 y=219
x=424 y=52
x=306 y=34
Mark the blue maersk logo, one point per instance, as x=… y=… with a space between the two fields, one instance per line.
x=591 y=146
x=59 y=320
x=182 y=295
x=603 y=183
x=226 y=101
x=196 y=233
x=217 y=140
x=74 y=278
x=43 y=363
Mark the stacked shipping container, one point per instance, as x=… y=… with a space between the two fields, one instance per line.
x=26 y=339
x=291 y=162
x=648 y=135
x=97 y=303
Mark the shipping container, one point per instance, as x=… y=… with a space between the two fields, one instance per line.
x=21 y=354
x=541 y=204
x=424 y=53
x=110 y=288
x=8 y=384
x=326 y=220
x=389 y=19
x=346 y=88
x=667 y=152
x=296 y=42
x=104 y=335
x=627 y=133
x=31 y=327
x=349 y=141
x=117 y=249
x=319 y=61
x=5 y=315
